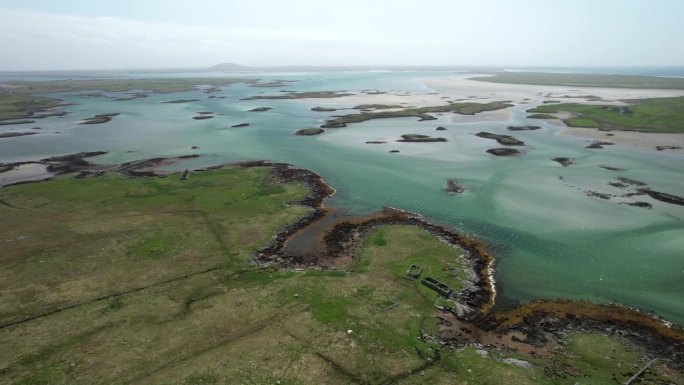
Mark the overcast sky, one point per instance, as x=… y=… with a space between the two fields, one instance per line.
x=116 y=34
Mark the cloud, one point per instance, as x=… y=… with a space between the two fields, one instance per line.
x=33 y=40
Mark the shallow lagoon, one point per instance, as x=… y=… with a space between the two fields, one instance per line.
x=551 y=239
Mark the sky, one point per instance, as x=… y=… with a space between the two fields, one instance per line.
x=137 y=34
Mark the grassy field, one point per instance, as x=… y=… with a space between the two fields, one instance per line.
x=584 y=80
x=664 y=115
x=15 y=106
x=121 y=85
x=149 y=281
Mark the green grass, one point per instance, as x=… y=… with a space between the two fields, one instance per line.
x=310 y=131
x=379 y=238
x=122 y=85
x=96 y=236
x=581 y=122
x=423 y=113
x=541 y=116
x=584 y=80
x=16 y=106
x=183 y=304
x=662 y=115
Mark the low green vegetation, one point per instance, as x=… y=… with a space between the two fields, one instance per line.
x=18 y=106
x=376 y=106
x=423 y=113
x=584 y=80
x=300 y=95
x=418 y=138
x=664 y=115
x=309 y=131
x=122 y=85
x=501 y=139
x=109 y=280
x=541 y=116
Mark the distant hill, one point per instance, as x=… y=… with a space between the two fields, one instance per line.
x=229 y=67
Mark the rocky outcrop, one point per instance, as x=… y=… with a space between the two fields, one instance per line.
x=503 y=151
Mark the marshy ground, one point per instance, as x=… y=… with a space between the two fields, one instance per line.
x=151 y=280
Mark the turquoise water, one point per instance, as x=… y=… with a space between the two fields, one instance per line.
x=550 y=238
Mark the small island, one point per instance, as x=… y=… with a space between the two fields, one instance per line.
x=181 y=101
x=422 y=113
x=376 y=106
x=99 y=119
x=240 y=125
x=541 y=116
x=502 y=151
x=453 y=187
x=565 y=162
x=523 y=128
x=310 y=131
x=501 y=139
x=260 y=109
x=15 y=134
x=417 y=138
x=599 y=144
x=300 y=95
x=323 y=109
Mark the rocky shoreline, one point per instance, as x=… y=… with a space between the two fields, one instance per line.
x=542 y=322
x=536 y=324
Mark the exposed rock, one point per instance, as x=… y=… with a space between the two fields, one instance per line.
x=633 y=182
x=645 y=205
x=663 y=197
x=240 y=125
x=503 y=151
x=181 y=101
x=619 y=185
x=10 y=122
x=453 y=187
x=101 y=118
x=323 y=109
x=375 y=142
x=137 y=95
x=202 y=117
x=597 y=194
x=310 y=131
x=506 y=140
x=599 y=144
x=260 y=109
x=440 y=128
x=523 y=128
x=393 y=151
x=417 y=138
x=517 y=362
x=565 y=162
x=611 y=168
x=15 y=134
x=661 y=148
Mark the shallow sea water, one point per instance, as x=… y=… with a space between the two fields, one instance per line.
x=551 y=239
